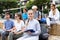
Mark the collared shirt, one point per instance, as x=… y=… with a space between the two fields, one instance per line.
x=19 y=25
x=9 y=24
x=34 y=24
x=25 y=16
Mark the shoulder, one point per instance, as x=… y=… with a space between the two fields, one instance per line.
x=36 y=21
x=57 y=10
x=4 y=21
x=15 y=21
x=38 y=11
x=22 y=21
x=23 y=14
x=11 y=21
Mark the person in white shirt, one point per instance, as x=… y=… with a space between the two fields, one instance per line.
x=47 y=20
x=31 y=24
x=18 y=30
x=54 y=17
x=54 y=13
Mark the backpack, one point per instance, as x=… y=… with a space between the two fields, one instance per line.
x=43 y=20
x=38 y=17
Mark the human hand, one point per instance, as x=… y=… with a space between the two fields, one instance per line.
x=8 y=30
x=4 y=29
x=29 y=32
x=15 y=32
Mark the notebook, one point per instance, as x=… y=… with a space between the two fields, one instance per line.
x=31 y=30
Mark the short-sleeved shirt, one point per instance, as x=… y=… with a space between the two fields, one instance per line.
x=37 y=14
x=25 y=16
x=9 y=24
x=19 y=25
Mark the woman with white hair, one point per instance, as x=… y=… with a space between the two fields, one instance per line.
x=32 y=28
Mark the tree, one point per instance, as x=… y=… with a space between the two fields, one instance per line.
x=38 y=3
x=8 y=0
x=7 y=4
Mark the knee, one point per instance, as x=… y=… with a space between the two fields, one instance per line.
x=11 y=34
x=1 y=31
x=3 y=34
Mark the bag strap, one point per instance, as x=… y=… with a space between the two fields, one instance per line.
x=38 y=14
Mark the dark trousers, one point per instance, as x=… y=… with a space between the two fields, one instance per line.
x=4 y=35
x=41 y=38
x=43 y=31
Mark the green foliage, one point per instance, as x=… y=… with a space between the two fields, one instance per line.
x=37 y=2
x=13 y=11
x=58 y=8
x=1 y=9
x=8 y=0
x=29 y=5
x=45 y=11
x=7 y=5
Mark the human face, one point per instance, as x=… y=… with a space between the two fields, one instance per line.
x=24 y=10
x=16 y=17
x=52 y=7
x=30 y=15
x=7 y=16
x=35 y=9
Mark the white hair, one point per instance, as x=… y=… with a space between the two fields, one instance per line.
x=30 y=11
x=33 y=7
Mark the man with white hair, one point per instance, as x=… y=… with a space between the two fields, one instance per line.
x=37 y=14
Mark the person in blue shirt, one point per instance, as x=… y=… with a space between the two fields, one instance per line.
x=8 y=26
x=25 y=15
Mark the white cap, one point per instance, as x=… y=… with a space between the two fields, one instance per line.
x=34 y=7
